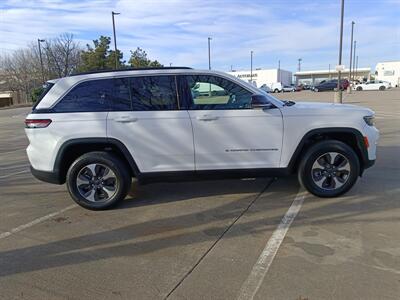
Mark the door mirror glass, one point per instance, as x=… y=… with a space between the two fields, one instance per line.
x=260 y=101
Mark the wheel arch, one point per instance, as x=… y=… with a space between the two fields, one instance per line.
x=350 y=136
x=72 y=149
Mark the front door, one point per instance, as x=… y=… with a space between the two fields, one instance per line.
x=228 y=133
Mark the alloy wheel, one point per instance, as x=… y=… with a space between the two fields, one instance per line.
x=96 y=182
x=330 y=171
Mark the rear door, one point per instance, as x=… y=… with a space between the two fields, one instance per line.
x=146 y=118
x=228 y=133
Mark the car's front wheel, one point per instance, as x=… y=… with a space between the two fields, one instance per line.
x=359 y=88
x=382 y=88
x=98 y=180
x=329 y=169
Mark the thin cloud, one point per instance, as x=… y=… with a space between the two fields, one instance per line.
x=176 y=31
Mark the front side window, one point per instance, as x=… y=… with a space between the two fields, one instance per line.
x=154 y=93
x=212 y=92
x=87 y=96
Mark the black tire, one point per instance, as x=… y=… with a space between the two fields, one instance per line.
x=382 y=88
x=119 y=184
x=308 y=175
x=276 y=91
x=359 y=88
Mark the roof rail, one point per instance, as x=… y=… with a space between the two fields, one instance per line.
x=130 y=69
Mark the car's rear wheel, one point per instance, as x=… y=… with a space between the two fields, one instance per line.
x=316 y=90
x=359 y=88
x=329 y=169
x=276 y=91
x=98 y=180
x=382 y=88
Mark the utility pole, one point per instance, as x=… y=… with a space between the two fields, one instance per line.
x=40 y=56
x=338 y=94
x=354 y=59
x=115 y=39
x=209 y=53
x=351 y=52
x=251 y=66
x=299 y=64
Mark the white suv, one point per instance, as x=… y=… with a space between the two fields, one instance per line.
x=96 y=131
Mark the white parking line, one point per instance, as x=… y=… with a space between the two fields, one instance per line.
x=15 y=173
x=34 y=222
x=14 y=167
x=252 y=284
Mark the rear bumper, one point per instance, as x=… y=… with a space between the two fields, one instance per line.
x=50 y=177
x=369 y=163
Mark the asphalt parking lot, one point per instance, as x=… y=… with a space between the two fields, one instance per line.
x=205 y=240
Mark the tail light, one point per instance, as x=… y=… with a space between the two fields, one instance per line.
x=37 y=123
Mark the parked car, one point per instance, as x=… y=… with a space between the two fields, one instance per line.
x=95 y=132
x=331 y=85
x=373 y=85
x=266 y=88
x=288 y=88
x=276 y=87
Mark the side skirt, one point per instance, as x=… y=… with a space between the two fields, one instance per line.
x=151 y=177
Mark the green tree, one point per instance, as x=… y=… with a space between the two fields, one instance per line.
x=139 y=59
x=100 y=57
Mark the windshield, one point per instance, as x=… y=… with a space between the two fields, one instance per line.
x=45 y=89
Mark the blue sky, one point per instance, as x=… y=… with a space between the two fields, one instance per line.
x=176 y=31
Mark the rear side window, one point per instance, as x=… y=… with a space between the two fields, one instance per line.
x=154 y=93
x=87 y=96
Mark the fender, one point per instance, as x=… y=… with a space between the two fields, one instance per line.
x=58 y=164
x=362 y=153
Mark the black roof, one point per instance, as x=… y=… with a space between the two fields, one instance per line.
x=130 y=69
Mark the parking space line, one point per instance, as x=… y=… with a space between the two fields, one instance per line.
x=36 y=221
x=15 y=173
x=253 y=282
x=220 y=238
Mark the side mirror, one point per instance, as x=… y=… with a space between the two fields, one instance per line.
x=260 y=101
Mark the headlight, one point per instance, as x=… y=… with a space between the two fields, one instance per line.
x=370 y=120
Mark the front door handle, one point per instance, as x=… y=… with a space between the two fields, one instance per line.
x=207 y=118
x=126 y=119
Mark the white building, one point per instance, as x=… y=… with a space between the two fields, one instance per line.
x=388 y=71
x=316 y=76
x=268 y=77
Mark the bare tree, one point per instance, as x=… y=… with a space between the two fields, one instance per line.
x=63 y=55
x=21 y=70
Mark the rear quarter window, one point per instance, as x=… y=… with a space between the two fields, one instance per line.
x=88 y=96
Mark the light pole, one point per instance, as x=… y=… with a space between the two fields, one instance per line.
x=299 y=64
x=279 y=70
x=40 y=56
x=356 y=63
x=251 y=66
x=338 y=94
x=354 y=59
x=351 y=52
x=115 y=39
x=209 y=53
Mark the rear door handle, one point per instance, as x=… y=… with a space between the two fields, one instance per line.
x=126 y=119
x=207 y=118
